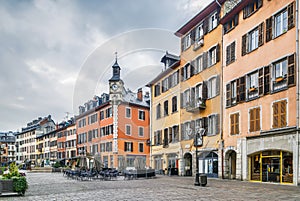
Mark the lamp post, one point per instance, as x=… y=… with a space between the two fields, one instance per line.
x=198 y=142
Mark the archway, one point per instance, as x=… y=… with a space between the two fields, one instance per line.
x=230 y=167
x=188 y=164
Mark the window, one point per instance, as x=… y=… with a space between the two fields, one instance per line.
x=174 y=104
x=165 y=85
x=252 y=40
x=157 y=90
x=213 y=21
x=212 y=56
x=254 y=116
x=186 y=72
x=252 y=7
x=187 y=41
x=173 y=79
x=234 y=124
x=108 y=112
x=228 y=26
x=213 y=87
x=280 y=69
x=213 y=124
x=233 y=92
x=253 y=80
x=157 y=137
x=141 y=131
x=281 y=22
x=128 y=112
x=128 y=129
x=230 y=53
x=199 y=32
x=187 y=131
x=186 y=98
x=128 y=146
x=279 y=114
x=141 y=115
x=199 y=64
x=158 y=111
x=101 y=115
x=141 y=147
x=166 y=108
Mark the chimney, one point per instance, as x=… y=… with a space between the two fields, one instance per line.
x=140 y=94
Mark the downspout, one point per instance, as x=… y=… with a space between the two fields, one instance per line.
x=221 y=107
x=298 y=93
x=150 y=125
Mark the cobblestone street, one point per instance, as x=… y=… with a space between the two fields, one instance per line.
x=54 y=186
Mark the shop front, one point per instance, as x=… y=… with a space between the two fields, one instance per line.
x=271 y=166
x=208 y=163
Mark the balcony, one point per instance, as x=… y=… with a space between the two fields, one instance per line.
x=195 y=106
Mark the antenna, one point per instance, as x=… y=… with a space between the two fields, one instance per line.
x=116 y=53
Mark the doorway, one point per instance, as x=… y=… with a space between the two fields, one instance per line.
x=230 y=159
x=187 y=164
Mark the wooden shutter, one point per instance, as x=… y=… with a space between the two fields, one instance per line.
x=192 y=100
x=182 y=131
x=232 y=52
x=236 y=19
x=282 y=113
x=269 y=24
x=193 y=34
x=237 y=123
x=218 y=85
x=204 y=60
x=261 y=34
x=291 y=70
x=204 y=90
x=261 y=81
x=181 y=100
x=182 y=44
x=275 y=115
x=244 y=44
x=218 y=53
x=131 y=146
x=205 y=123
x=232 y=124
x=193 y=130
x=217 y=116
x=252 y=120
x=192 y=69
x=170 y=135
x=259 y=4
x=242 y=89
x=125 y=147
x=205 y=26
x=266 y=79
x=291 y=15
x=182 y=73
x=228 y=56
x=257 y=119
x=228 y=95
x=170 y=78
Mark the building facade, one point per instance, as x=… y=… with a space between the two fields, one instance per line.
x=115 y=126
x=7 y=147
x=260 y=108
x=191 y=89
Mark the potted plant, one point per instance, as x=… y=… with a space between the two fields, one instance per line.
x=253 y=88
x=13 y=181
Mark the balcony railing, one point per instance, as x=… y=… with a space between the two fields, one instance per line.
x=195 y=106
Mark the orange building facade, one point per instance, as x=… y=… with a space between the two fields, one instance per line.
x=259 y=72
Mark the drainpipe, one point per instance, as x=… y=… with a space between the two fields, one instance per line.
x=150 y=125
x=298 y=93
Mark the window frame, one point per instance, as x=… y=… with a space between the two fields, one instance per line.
x=143 y=116
x=126 y=114
x=141 y=128
x=126 y=129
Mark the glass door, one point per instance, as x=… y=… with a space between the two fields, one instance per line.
x=271 y=169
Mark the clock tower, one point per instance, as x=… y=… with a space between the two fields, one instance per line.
x=116 y=85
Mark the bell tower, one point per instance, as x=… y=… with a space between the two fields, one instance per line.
x=116 y=85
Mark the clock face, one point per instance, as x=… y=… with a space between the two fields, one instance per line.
x=114 y=87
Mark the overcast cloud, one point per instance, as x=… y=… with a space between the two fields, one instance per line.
x=55 y=55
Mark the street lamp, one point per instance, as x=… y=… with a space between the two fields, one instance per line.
x=198 y=141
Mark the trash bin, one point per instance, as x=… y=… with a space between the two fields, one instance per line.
x=203 y=179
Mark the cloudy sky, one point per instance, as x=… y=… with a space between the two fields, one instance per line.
x=56 y=54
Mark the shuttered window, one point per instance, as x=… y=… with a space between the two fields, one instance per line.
x=234 y=124
x=252 y=7
x=279 y=114
x=254 y=119
x=230 y=53
x=291 y=70
x=253 y=39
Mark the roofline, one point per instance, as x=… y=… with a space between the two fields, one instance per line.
x=162 y=74
x=198 y=18
x=234 y=11
x=92 y=110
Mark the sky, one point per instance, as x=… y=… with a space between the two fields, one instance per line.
x=57 y=54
